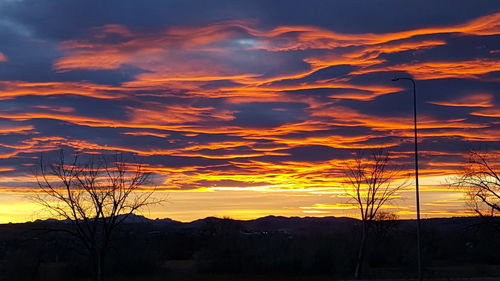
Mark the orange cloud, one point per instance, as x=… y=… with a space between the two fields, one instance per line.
x=439 y=70
x=2 y=57
x=474 y=100
x=437 y=214
x=490 y=112
x=137 y=48
x=168 y=56
x=13 y=89
x=372 y=91
x=309 y=37
x=115 y=29
x=62 y=109
x=471 y=134
x=218 y=145
x=97 y=122
x=7 y=130
x=326 y=208
x=344 y=116
x=32 y=145
x=143 y=133
x=369 y=55
x=90 y=60
x=172 y=114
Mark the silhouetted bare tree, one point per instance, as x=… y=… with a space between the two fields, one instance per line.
x=95 y=196
x=481 y=179
x=371 y=183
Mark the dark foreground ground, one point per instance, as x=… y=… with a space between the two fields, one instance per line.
x=270 y=248
x=186 y=271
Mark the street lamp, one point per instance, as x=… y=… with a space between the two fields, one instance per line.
x=419 y=247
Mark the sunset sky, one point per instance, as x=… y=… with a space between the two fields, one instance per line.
x=248 y=108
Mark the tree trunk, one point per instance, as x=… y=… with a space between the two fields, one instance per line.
x=98 y=274
x=361 y=251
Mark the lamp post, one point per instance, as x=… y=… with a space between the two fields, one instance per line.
x=419 y=247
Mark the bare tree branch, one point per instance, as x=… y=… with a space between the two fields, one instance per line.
x=95 y=196
x=371 y=183
x=480 y=178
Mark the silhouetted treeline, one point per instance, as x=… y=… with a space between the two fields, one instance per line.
x=452 y=247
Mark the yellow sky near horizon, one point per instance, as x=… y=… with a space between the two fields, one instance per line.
x=246 y=203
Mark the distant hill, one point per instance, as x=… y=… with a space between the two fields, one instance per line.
x=131 y=219
x=296 y=225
